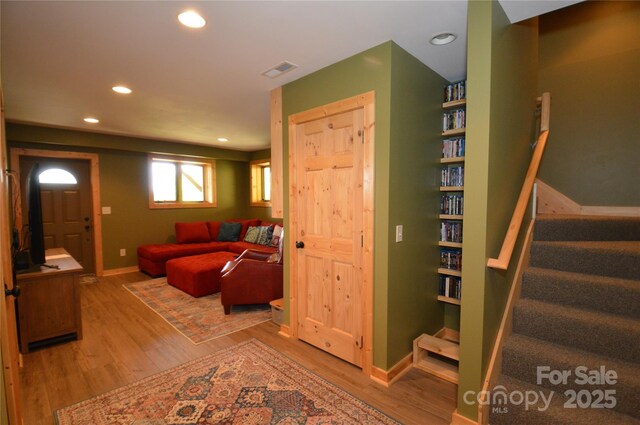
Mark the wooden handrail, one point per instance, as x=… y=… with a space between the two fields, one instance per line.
x=502 y=262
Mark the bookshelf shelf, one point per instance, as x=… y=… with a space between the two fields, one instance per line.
x=450 y=244
x=454 y=132
x=450 y=217
x=448 y=300
x=452 y=160
x=454 y=104
x=450 y=272
x=451 y=188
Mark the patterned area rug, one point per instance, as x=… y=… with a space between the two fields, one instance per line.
x=248 y=383
x=199 y=319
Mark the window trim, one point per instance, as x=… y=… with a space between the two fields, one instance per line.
x=209 y=168
x=256 y=182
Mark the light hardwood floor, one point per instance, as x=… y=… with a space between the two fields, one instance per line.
x=125 y=341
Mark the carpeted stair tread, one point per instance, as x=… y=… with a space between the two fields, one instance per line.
x=601 y=293
x=522 y=355
x=615 y=259
x=555 y=414
x=600 y=333
x=586 y=228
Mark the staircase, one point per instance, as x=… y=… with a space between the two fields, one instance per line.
x=579 y=307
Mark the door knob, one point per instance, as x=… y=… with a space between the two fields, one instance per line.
x=299 y=244
x=15 y=291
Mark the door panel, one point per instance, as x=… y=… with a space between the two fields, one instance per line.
x=329 y=221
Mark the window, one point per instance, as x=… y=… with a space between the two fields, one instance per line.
x=56 y=176
x=176 y=182
x=260 y=183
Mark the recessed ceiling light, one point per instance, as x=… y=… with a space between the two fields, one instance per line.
x=91 y=120
x=222 y=139
x=443 y=38
x=191 y=19
x=121 y=89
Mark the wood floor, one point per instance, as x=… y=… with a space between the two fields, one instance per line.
x=125 y=341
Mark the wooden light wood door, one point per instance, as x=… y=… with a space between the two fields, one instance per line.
x=66 y=209
x=329 y=222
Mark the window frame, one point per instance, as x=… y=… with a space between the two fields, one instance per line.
x=209 y=182
x=257 y=182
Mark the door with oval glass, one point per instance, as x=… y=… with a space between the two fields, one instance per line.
x=66 y=205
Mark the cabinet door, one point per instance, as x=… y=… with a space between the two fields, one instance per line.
x=48 y=308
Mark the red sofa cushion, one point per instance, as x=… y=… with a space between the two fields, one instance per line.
x=214 y=229
x=192 y=232
x=198 y=275
x=167 y=251
x=240 y=247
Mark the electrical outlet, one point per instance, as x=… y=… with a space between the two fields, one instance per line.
x=399 y=233
x=123 y=252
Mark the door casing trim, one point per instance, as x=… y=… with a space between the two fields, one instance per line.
x=94 y=163
x=367 y=102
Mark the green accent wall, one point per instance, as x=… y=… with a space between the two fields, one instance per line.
x=407 y=115
x=590 y=62
x=414 y=199
x=124 y=186
x=501 y=99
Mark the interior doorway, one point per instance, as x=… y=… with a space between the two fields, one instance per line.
x=71 y=212
x=66 y=206
x=331 y=210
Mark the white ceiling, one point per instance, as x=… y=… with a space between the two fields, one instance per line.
x=61 y=58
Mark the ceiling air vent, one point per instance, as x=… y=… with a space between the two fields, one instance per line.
x=280 y=69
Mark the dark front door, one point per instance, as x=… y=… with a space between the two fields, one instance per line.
x=66 y=206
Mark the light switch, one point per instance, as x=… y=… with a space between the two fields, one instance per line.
x=399 y=233
x=106 y=210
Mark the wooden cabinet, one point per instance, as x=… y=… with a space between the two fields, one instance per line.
x=49 y=302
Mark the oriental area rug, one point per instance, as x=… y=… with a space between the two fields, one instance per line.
x=248 y=383
x=199 y=319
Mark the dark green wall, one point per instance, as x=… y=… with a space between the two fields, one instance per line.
x=124 y=187
x=414 y=198
x=407 y=117
x=502 y=91
x=590 y=62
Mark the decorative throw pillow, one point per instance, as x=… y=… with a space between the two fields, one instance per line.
x=263 y=235
x=252 y=234
x=192 y=232
x=275 y=238
x=229 y=232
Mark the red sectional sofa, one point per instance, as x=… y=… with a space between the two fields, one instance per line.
x=195 y=239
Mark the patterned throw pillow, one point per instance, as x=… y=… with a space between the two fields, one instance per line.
x=275 y=238
x=252 y=234
x=258 y=235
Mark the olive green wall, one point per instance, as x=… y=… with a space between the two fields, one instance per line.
x=501 y=100
x=414 y=199
x=407 y=117
x=369 y=70
x=590 y=62
x=124 y=187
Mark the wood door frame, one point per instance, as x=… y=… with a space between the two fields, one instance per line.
x=367 y=102
x=94 y=164
x=11 y=359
